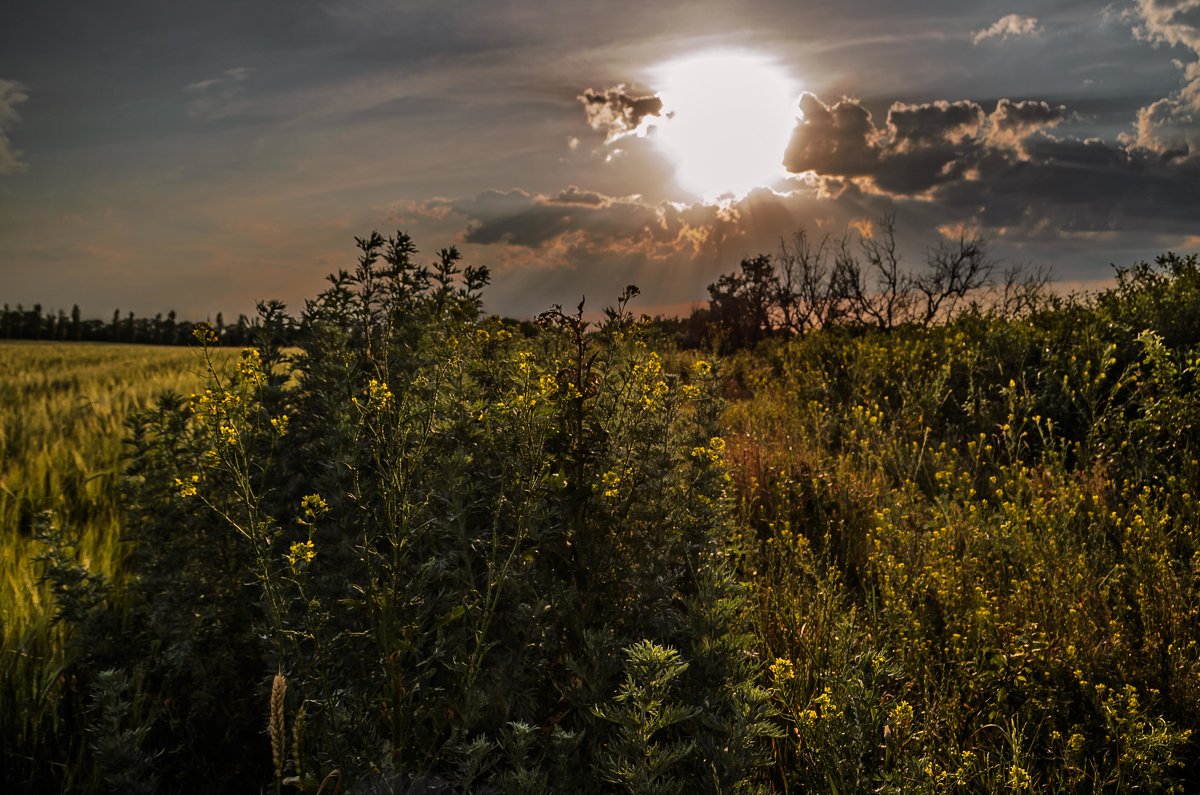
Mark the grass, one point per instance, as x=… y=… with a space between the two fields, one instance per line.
x=62 y=412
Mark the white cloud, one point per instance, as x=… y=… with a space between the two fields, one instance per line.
x=12 y=94
x=1172 y=124
x=1010 y=26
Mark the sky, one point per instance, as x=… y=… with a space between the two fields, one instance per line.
x=200 y=156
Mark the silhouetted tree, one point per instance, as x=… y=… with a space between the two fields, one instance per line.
x=744 y=303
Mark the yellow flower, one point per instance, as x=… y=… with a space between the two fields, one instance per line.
x=204 y=334
x=713 y=452
x=229 y=434
x=1018 y=777
x=249 y=368
x=783 y=670
x=280 y=424
x=902 y=714
x=314 y=506
x=187 y=487
x=702 y=368
x=379 y=393
x=301 y=551
x=610 y=484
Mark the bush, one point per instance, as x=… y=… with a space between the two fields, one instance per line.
x=443 y=542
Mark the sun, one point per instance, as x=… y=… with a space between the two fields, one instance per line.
x=727 y=117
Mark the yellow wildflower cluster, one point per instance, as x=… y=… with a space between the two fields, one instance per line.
x=187 y=486
x=611 y=481
x=314 y=507
x=648 y=373
x=280 y=424
x=902 y=714
x=229 y=434
x=301 y=552
x=702 y=368
x=379 y=394
x=713 y=452
x=783 y=670
x=249 y=367
x=216 y=404
x=205 y=335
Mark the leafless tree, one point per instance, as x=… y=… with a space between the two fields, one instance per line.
x=955 y=269
x=811 y=294
x=1022 y=290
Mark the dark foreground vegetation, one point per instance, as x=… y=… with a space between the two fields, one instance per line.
x=955 y=551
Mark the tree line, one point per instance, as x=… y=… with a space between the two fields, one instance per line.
x=34 y=323
x=857 y=282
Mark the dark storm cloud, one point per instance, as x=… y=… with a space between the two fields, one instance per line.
x=546 y=250
x=1072 y=186
x=838 y=139
x=933 y=122
x=11 y=94
x=1014 y=121
x=536 y=221
x=616 y=111
x=1003 y=168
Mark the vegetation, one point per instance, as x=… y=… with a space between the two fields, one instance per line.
x=62 y=420
x=37 y=324
x=938 y=542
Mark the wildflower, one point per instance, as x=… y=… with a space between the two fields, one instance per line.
x=610 y=484
x=713 y=452
x=379 y=393
x=229 y=434
x=301 y=552
x=783 y=670
x=702 y=368
x=187 y=488
x=523 y=362
x=249 y=368
x=1018 y=777
x=314 y=506
x=204 y=334
x=280 y=424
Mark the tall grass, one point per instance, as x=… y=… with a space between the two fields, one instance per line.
x=62 y=413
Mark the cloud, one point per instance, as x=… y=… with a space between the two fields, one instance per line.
x=1171 y=125
x=548 y=248
x=1003 y=167
x=12 y=94
x=617 y=112
x=589 y=221
x=1012 y=122
x=217 y=97
x=839 y=139
x=1174 y=22
x=1009 y=26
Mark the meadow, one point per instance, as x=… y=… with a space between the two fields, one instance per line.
x=63 y=408
x=430 y=551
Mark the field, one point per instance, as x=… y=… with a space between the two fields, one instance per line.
x=954 y=558
x=63 y=408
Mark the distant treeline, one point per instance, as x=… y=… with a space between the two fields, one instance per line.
x=35 y=324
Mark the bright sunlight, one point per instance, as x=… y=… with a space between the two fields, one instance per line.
x=727 y=120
